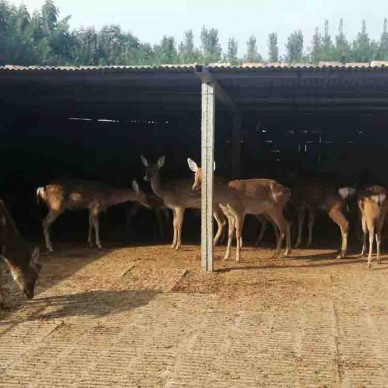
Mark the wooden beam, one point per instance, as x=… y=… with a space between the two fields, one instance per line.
x=207 y=163
x=206 y=77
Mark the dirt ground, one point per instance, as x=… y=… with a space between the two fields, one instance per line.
x=148 y=317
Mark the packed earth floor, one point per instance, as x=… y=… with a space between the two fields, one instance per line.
x=148 y=317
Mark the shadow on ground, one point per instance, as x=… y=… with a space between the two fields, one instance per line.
x=89 y=304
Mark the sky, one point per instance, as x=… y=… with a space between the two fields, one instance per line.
x=149 y=20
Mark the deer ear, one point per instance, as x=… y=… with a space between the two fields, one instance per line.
x=192 y=165
x=144 y=160
x=135 y=186
x=161 y=161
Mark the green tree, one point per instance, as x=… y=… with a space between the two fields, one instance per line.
x=252 y=53
x=364 y=50
x=166 y=51
x=211 y=48
x=383 y=46
x=273 y=50
x=187 y=50
x=316 y=46
x=50 y=15
x=87 y=49
x=342 y=49
x=294 y=47
x=327 y=52
x=231 y=55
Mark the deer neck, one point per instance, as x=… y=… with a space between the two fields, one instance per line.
x=120 y=196
x=156 y=186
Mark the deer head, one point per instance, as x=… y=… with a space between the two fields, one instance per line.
x=152 y=169
x=26 y=276
x=197 y=173
x=142 y=197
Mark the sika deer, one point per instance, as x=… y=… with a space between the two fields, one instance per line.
x=250 y=196
x=312 y=196
x=22 y=260
x=178 y=196
x=373 y=207
x=78 y=195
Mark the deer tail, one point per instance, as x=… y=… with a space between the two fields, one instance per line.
x=378 y=198
x=40 y=194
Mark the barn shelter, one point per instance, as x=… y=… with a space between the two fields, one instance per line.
x=257 y=120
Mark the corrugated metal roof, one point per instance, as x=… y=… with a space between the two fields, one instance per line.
x=103 y=69
x=186 y=68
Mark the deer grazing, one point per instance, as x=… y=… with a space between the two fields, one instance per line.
x=373 y=207
x=249 y=196
x=22 y=260
x=178 y=196
x=78 y=195
x=312 y=196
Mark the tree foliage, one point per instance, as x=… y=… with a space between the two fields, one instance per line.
x=273 y=50
x=43 y=37
x=252 y=53
x=294 y=47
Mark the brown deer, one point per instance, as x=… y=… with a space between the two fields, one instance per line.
x=78 y=195
x=22 y=260
x=178 y=196
x=373 y=207
x=249 y=196
x=312 y=196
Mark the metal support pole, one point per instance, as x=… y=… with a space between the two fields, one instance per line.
x=236 y=145
x=207 y=163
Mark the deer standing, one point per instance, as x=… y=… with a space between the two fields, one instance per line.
x=22 y=259
x=78 y=195
x=312 y=196
x=373 y=207
x=249 y=196
x=178 y=196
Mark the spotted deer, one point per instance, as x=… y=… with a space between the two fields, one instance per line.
x=373 y=207
x=78 y=195
x=313 y=196
x=178 y=196
x=22 y=260
x=249 y=196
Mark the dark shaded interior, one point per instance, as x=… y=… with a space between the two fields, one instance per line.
x=295 y=123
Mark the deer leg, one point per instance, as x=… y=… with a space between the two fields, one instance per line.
x=310 y=224
x=371 y=238
x=96 y=225
x=364 y=232
x=231 y=228
x=284 y=231
x=239 y=217
x=338 y=217
x=1 y=292
x=180 y=213
x=90 y=228
x=276 y=231
x=379 y=229
x=301 y=215
x=49 y=219
x=220 y=219
x=263 y=228
x=174 y=223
